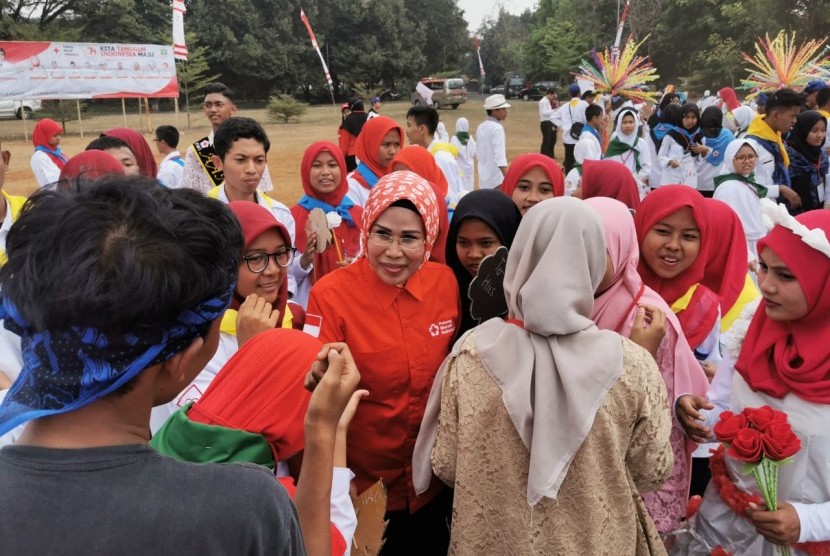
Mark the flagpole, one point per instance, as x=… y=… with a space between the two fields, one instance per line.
x=319 y=54
x=618 y=39
x=180 y=53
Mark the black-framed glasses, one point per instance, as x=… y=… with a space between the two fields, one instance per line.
x=410 y=243
x=258 y=262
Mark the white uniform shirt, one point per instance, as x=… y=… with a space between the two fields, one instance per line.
x=570 y=113
x=685 y=173
x=492 y=153
x=746 y=204
x=546 y=111
x=466 y=161
x=171 y=170
x=45 y=169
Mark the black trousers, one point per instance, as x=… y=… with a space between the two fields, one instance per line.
x=569 y=157
x=548 y=138
x=425 y=532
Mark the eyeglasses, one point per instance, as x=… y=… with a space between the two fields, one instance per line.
x=258 y=262
x=386 y=240
x=745 y=157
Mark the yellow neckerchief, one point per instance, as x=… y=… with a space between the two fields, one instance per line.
x=760 y=128
x=228 y=325
x=574 y=102
x=683 y=302
x=824 y=113
x=214 y=194
x=748 y=294
x=435 y=147
x=14 y=204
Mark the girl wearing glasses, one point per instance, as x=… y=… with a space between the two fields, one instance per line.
x=260 y=301
x=399 y=315
x=736 y=186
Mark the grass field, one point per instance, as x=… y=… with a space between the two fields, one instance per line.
x=288 y=141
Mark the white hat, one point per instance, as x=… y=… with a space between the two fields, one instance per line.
x=494 y=102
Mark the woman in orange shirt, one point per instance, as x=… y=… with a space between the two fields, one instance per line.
x=399 y=314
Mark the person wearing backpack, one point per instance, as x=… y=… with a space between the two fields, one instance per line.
x=572 y=118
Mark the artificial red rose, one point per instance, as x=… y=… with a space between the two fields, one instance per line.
x=747 y=446
x=780 y=442
x=728 y=426
x=720 y=551
x=693 y=505
x=764 y=416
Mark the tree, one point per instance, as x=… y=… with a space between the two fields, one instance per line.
x=554 y=50
x=442 y=25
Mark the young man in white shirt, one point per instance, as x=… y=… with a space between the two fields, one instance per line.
x=421 y=125
x=171 y=168
x=491 y=143
x=569 y=114
x=199 y=171
x=546 y=111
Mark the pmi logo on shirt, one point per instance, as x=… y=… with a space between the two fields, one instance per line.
x=441 y=328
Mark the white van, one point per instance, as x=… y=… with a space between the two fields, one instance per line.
x=445 y=92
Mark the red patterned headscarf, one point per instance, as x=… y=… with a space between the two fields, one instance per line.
x=526 y=162
x=779 y=357
x=400 y=186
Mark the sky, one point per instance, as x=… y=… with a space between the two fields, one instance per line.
x=475 y=11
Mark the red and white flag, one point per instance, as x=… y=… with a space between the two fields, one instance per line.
x=313 y=325
x=179 y=46
x=316 y=47
x=478 y=52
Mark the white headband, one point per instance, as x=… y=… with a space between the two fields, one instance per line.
x=777 y=215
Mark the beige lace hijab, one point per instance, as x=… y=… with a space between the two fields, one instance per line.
x=556 y=369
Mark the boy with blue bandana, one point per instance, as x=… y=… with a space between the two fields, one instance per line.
x=117 y=292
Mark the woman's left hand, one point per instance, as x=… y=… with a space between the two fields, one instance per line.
x=780 y=527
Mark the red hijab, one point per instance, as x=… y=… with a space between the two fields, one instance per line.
x=701 y=314
x=43 y=132
x=348 y=237
x=420 y=161
x=609 y=178
x=260 y=390
x=526 y=162
x=779 y=357
x=368 y=142
x=141 y=150
x=255 y=221
x=726 y=268
x=90 y=165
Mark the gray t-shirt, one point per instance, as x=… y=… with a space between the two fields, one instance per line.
x=131 y=500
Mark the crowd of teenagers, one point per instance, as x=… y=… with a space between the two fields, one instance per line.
x=536 y=365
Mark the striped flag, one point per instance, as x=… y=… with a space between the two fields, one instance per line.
x=179 y=47
x=478 y=52
x=317 y=48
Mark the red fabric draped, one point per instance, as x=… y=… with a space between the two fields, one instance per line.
x=142 y=151
x=609 y=178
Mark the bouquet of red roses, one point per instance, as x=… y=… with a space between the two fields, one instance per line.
x=763 y=439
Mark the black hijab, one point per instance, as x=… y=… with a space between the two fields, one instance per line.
x=354 y=121
x=498 y=211
x=798 y=137
x=686 y=137
x=712 y=118
x=657 y=116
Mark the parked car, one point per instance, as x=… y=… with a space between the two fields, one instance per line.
x=537 y=90
x=514 y=86
x=445 y=92
x=497 y=90
x=20 y=109
x=389 y=94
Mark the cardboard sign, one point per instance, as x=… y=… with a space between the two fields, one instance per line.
x=425 y=92
x=318 y=224
x=486 y=291
x=370 y=508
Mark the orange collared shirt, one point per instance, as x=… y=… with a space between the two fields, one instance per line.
x=399 y=337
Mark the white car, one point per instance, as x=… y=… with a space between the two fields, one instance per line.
x=19 y=108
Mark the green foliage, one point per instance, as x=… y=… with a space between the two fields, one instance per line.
x=554 y=50
x=282 y=109
x=194 y=75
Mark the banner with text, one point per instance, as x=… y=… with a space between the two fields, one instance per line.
x=63 y=70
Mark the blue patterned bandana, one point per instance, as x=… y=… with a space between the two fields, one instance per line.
x=67 y=370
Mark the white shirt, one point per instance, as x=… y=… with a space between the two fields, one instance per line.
x=570 y=113
x=492 y=153
x=171 y=170
x=746 y=204
x=764 y=169
x=587 y=148
x=195 y=177
x=685 y=173
x=45 y=169
x=449 y=166
x=357 y=193
x=466 y=160
x=546 y=111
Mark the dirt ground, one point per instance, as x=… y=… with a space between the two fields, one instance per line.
x=288 y=141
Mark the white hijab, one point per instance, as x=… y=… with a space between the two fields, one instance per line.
x=557 y=368
x=631 y=137
x=732 y=150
